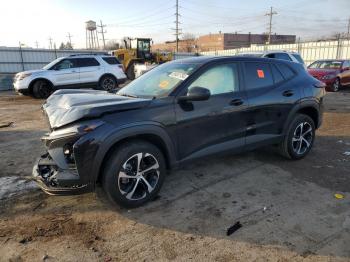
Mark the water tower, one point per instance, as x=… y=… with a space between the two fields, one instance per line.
x=91 y=35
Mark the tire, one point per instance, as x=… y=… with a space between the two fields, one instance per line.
x=42 y=89
x=336 y=85
x=130 y=73
x=124 y=183
x=108 y=83
x=295 y=146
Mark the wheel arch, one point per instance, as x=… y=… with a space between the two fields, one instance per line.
x=108 y=74
x=309 y=108
x=152 y=134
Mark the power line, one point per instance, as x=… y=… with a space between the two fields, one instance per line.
x=270 y=23
x=102 y=32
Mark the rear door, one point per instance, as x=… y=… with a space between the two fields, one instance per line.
x=271 y=95
x=90 y=70
x=65 y=72
x=206 y=127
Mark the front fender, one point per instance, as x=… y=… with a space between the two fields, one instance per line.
x=142 y=128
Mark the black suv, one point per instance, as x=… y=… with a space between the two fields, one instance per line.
x=177 y=112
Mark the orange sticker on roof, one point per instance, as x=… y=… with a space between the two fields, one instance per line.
x=261 y=73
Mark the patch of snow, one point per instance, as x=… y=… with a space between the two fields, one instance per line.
x=14 y=185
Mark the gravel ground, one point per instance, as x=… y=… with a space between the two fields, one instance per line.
x=287 y=209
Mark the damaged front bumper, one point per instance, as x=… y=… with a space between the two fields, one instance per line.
x=56 y=181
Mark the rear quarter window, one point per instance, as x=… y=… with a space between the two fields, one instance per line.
x=111 y=60
x=257 y=75
x=286 y=71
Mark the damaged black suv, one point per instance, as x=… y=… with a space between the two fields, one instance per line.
x=177 y=112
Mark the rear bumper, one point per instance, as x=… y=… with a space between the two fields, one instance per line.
x=55 y=181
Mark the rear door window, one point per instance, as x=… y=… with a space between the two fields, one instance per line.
x=258 y=75
x=111 y=60
x=85 y=62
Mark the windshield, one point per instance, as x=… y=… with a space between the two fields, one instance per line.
x=326 y=65
x=49 y=65
x=160 y=81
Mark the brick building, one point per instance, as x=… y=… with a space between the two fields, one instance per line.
x=223 y=41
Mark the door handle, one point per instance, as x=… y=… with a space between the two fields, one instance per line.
x=288 y=93
x=236 y=102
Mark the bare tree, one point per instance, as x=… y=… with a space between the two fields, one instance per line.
x=189 y=42
x=112 y=45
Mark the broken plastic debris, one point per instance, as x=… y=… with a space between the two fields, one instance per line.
x=233 y=228
x=339 y=196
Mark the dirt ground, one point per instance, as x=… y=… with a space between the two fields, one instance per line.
x=287 y=208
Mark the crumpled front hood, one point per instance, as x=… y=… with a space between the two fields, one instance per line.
x=67 y=106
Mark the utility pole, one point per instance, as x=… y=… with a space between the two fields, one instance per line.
x=37 y=44
x=177 y=29
x=70 y=39
x=50 y=41
x=102 y=32
x=349 y=28
x=270 y=14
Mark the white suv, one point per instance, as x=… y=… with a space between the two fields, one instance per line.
x=76 y=71
x=284 y=55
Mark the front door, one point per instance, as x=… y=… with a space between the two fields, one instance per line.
x=65 y=72
x=206 y=127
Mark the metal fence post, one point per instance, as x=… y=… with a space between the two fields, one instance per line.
x=21 y=54
x=339 y=46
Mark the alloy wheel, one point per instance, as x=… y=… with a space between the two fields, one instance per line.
x=138 y=176
x=336 y=85
x=108 y=84
x=302 y=138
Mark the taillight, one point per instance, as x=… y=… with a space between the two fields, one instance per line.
x=121 y=67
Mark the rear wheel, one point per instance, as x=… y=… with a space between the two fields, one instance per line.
x=336 y=85
x=42 y=89
x=134 y=174
x=299 y=138
x=108 y=83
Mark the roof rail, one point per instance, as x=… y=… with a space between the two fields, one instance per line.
x=82 y=54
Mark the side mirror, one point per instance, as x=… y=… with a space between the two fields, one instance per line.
x=196 y=93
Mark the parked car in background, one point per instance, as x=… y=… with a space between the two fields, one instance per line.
x=76 y=71
x=334 y=73
x=177 y=112
x=283 y=55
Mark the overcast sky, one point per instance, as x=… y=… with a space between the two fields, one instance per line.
x=29 y=21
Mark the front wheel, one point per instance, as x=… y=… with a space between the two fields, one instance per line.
x=336 y=85
x=134 y=173
x=299 y=138
x=42 y=89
